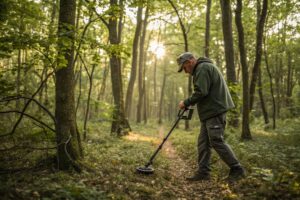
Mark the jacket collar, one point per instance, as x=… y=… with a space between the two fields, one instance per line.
x=196 y=65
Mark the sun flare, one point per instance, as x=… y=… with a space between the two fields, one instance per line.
x=157 y=48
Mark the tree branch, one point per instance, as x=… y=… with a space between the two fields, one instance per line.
x=27 y=115
x=27 y=147
x=11 y=98
x=26 y=106
x=100 y=17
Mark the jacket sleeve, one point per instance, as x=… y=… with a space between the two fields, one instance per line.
x=202 y=84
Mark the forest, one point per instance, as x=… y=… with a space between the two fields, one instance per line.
x=90 y=89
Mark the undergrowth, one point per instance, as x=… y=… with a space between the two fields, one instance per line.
x=271 y=160
x=113 y=161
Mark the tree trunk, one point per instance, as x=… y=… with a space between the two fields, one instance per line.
x=289 y=83
x=228 y=40
x=278 y=83
x=258 y=54
x=141 y=68
x=18 y=79
x=103 y=84
x=145 y=113
x=229 y=55
x=69 y=149
x=162 y=96
x=88 y=100
x=261 y=97
x=145 y=91
x=120 y=124
x=101 y=92
x=130 y=88
x=186 y=49
x=271 y=87
x=246 y=134
x=19 y=61
x=155 y=106
x=207 y=28
x=79 y=89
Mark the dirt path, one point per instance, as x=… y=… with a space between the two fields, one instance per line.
x=179 y=169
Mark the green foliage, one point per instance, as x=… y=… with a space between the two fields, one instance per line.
x=235 y=91
x=113 y=161
x=4 y=6
x=118 y=50
x=271 y=159
x=6 y=85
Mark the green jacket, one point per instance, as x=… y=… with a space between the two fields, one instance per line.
x=211 y=93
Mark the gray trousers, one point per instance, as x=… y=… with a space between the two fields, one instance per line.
x=211 y=136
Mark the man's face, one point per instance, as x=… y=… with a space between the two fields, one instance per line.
x=188 y=66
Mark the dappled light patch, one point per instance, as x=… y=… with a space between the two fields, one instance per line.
x=132 y=136
x=264 y=133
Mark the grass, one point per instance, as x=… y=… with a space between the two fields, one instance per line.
x=271 y=160
x=113 y=160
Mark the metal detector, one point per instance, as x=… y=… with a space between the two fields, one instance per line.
x=185 y=114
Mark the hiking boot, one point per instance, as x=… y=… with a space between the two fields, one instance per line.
x=199 y=177
x=236 y=173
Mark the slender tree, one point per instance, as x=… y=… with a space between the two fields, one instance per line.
x=141 y=67
x=229 y=54
x=186 y=49
x=271 y=86
x=258 y=51
x=69 y=149
x=120 y=124
x=207 y=28
x=260 y=86
x=246 y=134
x=87 y=111
x=134 y=61
x=162 y=96
x=261 y=98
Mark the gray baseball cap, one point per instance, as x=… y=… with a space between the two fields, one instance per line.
x=182 y=58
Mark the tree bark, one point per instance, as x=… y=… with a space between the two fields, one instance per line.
x=130 y=88
x=261 y=97
x=87 y=112
x=120 y=125
x=278 y=83
x=18 y=79
x=103 y=84
x=271 y=87
x=145 y=91
x=228 y=40
x=258 y=49
x=289 y=84
x=141 y=68
x=68 y=140
x=79 y=88
x=246 y=134
x=162 y=96
x=229 y=55
x=207 y=28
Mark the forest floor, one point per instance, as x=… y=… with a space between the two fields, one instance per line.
x=271 y=160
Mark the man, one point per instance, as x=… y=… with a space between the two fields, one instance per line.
x=213 y=100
